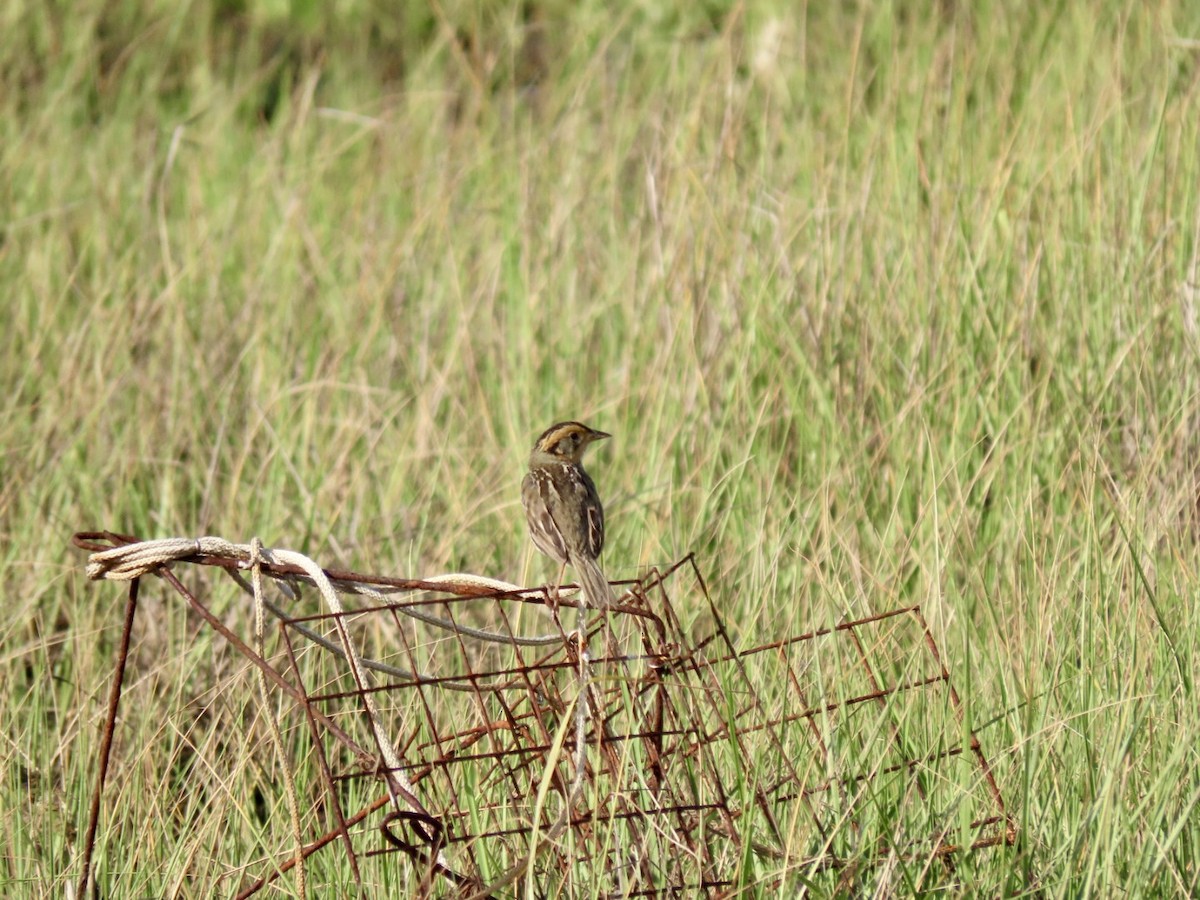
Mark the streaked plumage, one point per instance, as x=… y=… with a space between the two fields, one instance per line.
x=565 y=516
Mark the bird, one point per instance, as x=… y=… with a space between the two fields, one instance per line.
x=565 y=516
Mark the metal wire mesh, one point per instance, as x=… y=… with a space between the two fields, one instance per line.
x=648 y=758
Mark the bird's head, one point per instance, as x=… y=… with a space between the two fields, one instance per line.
x=567 y=441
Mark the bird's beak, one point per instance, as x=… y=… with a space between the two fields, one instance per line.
x=598 y=436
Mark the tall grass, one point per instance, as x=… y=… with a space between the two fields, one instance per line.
x=884 y=303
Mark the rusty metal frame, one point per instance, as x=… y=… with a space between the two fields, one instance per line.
x=685 y=750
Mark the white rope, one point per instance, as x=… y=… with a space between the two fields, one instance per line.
x=495 y=637
x=373 y=664
x=131 y=561
x=135 y=560
x=382 y=741
x=268 y=708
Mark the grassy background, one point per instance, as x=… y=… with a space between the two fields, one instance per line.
x=884 y=303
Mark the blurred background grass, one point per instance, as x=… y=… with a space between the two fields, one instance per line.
x=883 y=302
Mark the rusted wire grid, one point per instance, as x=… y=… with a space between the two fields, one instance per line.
x=98 y=542
x=498 y=758
x=672 y=724
x=507 y=760
x=341 y=736
x=844 y=815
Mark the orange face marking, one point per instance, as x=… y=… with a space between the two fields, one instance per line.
x=567 y=440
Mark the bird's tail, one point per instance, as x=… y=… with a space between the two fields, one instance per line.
x=597 y=592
